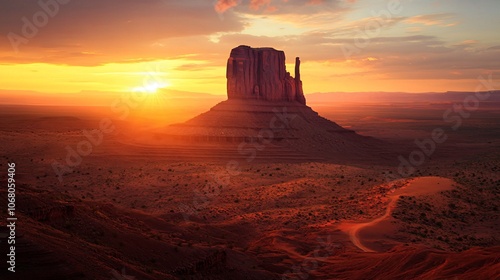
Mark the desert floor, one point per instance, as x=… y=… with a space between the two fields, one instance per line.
x=138 y=212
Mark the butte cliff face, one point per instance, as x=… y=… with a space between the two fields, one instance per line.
x=261 y=93
x=260 y=73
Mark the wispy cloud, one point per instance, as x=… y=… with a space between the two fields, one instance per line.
x=444 y=19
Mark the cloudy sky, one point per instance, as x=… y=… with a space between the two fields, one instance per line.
x=345 y=45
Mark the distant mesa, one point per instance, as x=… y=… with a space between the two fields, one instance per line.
x=262 y=95
x=260 y=73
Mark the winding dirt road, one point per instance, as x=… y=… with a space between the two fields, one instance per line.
x=355 y=228
x=417 y=186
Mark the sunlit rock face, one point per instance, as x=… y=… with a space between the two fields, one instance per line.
x=260 y=73
x=265 y=107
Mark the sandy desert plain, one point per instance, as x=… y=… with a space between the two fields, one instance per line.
x=136 y=209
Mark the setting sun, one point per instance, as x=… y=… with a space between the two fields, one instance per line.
x=151 y=88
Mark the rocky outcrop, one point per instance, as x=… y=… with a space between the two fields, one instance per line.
x=260 y=73
x=287 y=128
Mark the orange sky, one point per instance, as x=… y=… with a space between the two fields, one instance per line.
x=62 y=46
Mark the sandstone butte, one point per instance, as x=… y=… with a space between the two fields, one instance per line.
x=260 y=93
x=260 y=73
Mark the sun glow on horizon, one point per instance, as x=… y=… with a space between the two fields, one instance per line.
x=152 y=87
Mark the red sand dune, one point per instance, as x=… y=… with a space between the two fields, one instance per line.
x=414 y=262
